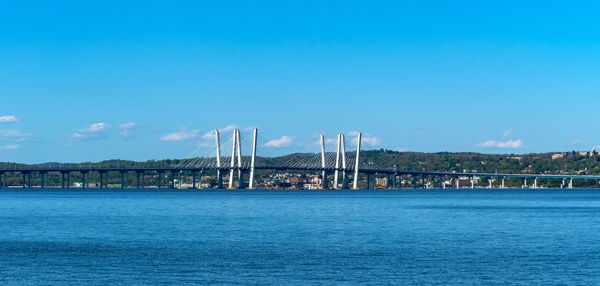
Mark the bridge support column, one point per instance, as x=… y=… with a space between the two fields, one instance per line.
x=143 y=180
x=1 y=180
x=502 y=185
x=472 y=182
x=138 y=179
x=219 y=174
x=84 y=180
x=535 y=185
x=101 y=180
x=394 y=182
x=219 y=179
x=357 y=161
x=29 y=180
x=24 y=183
x=68 y=179
x=324 y=173
x=253 y=159
x=158 y=179
x=193 y=179
x=489 y=183
x=525 y=183
x=173 y=180
x=368 y=180
x=562 y=184
x=457 y=182
x=570 y=183
x=337 y=163
x=123 y=181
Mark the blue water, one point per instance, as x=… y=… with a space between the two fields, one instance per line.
x=300 y=238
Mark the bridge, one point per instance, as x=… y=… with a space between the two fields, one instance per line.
x=343 y=168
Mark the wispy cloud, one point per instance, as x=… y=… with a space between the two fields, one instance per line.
x=183 y=134
x=284 y=141
x=91 y=131
x=15 y=135
x=126 y=127
x=366 y=138
x=8 y=119
x=577 y=142
x=509 y=144
x=507 y=133
x=211 y=134
x=95 y=127
x=10 y=147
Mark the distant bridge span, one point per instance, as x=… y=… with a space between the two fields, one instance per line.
x=340 y=168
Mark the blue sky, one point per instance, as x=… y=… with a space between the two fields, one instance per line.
x=94 y=80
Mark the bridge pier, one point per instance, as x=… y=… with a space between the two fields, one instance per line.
x=368 y=181
x=138 y=179
x=570 y=183
x=324 y=183
x=525 y=183
x=68 y=179
x=502 y=185
x=2 y=180
x=489 y=183
x=535 y=184
x=101 y=180
x=219 y=179
x=172 y=179
x=143 y=180
x=123 y=181
x=472 y=182
x=193 y=180
x=84 y=176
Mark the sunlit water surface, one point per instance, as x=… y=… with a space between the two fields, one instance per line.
x=517 y=237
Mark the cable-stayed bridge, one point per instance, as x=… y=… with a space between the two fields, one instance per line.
x=342 y=169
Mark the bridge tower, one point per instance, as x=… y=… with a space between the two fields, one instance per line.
x=219 y=174
x=323 y=161
x=235 y=147
x=252 y=161
x=358 y=142
x=337 y=162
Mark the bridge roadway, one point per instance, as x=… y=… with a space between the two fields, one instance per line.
x=373 y=171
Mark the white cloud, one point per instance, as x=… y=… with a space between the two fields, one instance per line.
x=211 y=134
x=95 y=127
x=13 y=134
x=10 y=147
x=127 y=125
x=184 y=134
x=371 y=141
x=281 y=142
x=8 y=118
x=90 y=131
x=366 y=138
x=125 y=128
x=506 y=133
x=510 y=144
